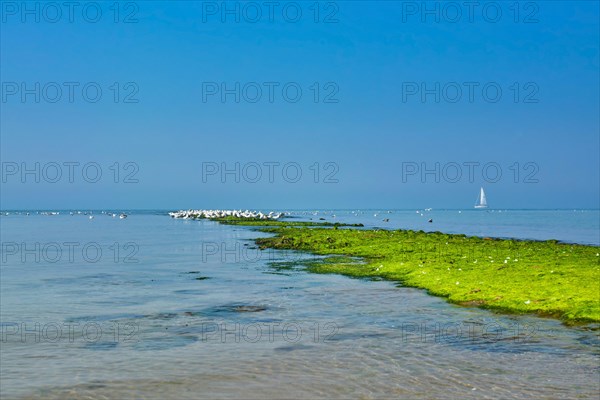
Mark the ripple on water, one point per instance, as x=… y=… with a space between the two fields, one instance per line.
x=101 y=346
x=189 y=291
x=164 y=342
x=295 y=347
x=590 y=340
x=105 y=317
x=235 y=308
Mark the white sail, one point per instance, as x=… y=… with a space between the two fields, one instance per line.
x=481 y=201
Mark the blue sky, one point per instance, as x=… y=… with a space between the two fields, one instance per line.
x=364 y=60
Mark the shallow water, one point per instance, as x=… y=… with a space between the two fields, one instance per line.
x=190 y=309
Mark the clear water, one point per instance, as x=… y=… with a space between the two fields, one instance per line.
x=190 y=309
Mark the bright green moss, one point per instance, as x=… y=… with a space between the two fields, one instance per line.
x=547 y=278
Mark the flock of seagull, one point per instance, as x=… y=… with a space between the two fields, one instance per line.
x=212 y=214
x=91 y=216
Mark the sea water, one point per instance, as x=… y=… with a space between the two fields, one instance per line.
x=154 y=307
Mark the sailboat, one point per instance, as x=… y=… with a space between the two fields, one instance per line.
x=481 y=201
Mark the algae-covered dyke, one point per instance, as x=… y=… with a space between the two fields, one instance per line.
x=547 y=278
x=271 y=223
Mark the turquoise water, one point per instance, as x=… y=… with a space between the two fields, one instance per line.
x=153 y=307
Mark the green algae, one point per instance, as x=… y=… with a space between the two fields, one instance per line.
x=270 y=222
x=546 y=278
